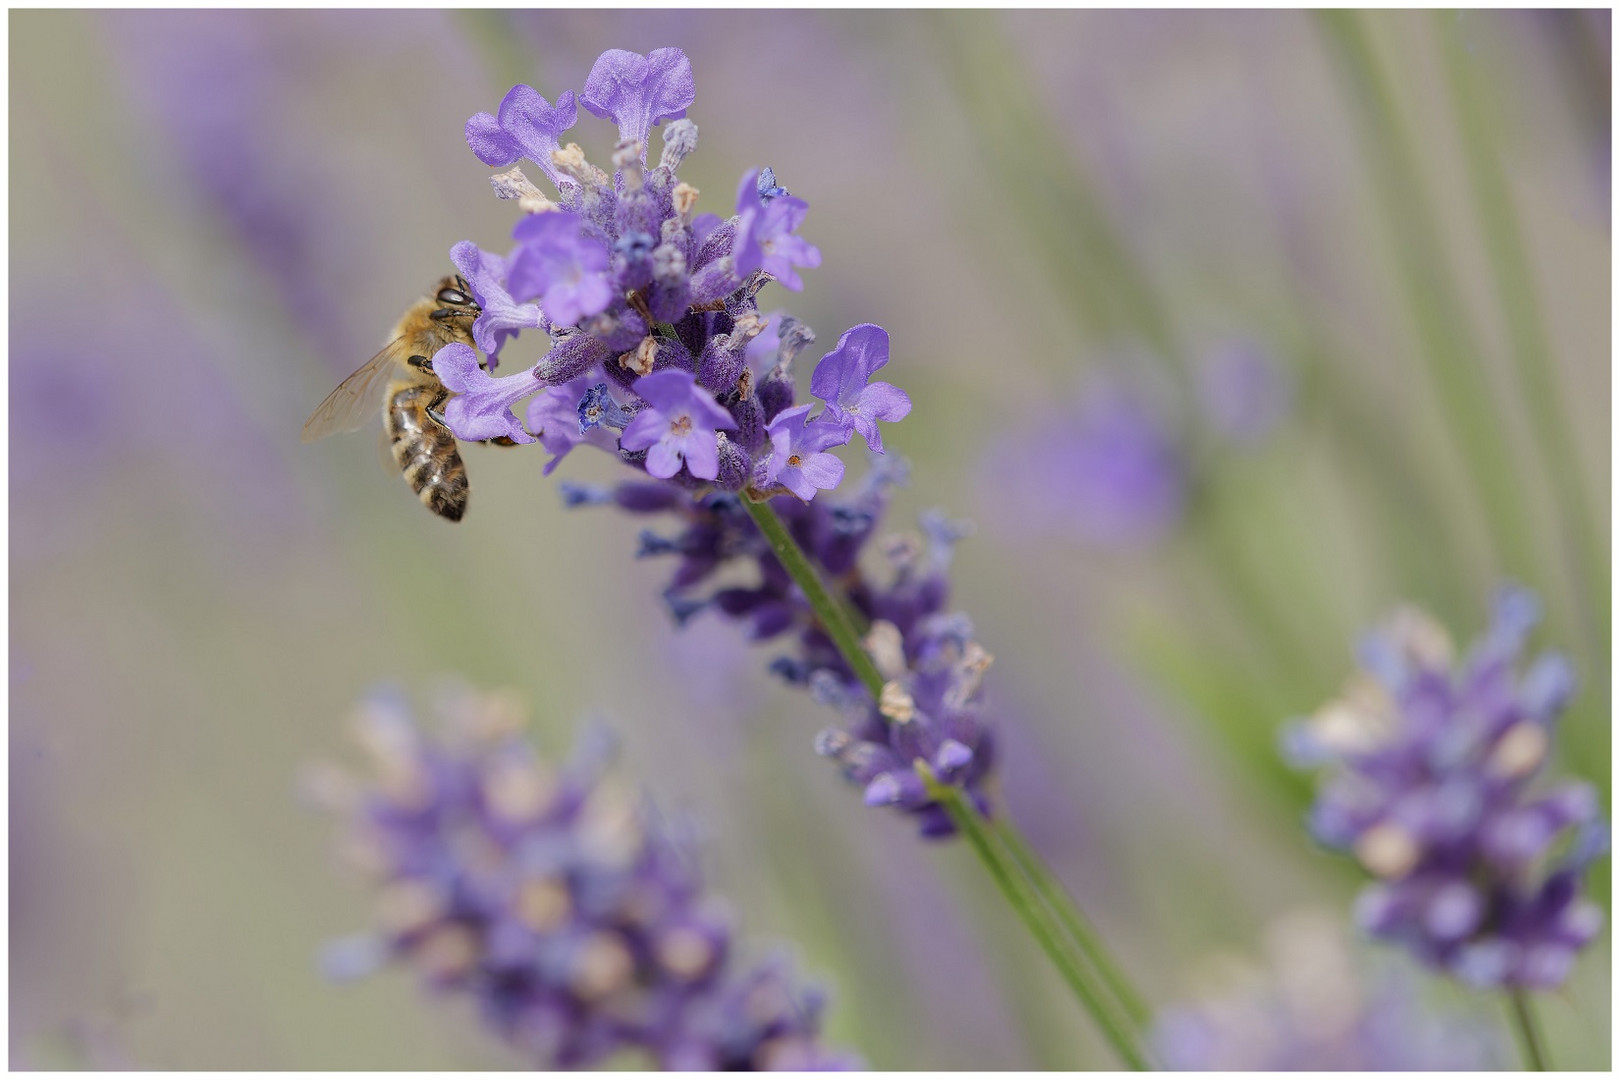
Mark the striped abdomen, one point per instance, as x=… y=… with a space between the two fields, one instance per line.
x=426 y=451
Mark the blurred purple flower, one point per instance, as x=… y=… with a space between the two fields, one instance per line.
x=1314 y=1007
x=556 y=262
x=526 y=126
x=213 y=83
x=550 y=897
x=636 y=91
x=1432 y=767
x=1244 y=393
x=765 y=239
x=680 y=423
x=501 y=317
x=1108 y=472
x=842 y=381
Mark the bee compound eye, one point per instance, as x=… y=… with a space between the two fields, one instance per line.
x=454 y=297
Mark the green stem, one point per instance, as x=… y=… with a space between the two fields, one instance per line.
x=1084 y=935
x=1532 y=349
x=1037 y=919
x=1029 y=887
x=1524 y=1023
x=1445 y=340
x=833 y=616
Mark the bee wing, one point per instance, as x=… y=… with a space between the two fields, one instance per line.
x=357 y=398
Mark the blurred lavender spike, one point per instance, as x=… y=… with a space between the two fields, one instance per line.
x=1434 y=761
x=556 y=902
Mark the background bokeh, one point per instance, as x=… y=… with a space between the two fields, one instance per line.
x=215 y=217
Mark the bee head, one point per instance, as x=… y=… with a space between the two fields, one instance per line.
x=455 y=299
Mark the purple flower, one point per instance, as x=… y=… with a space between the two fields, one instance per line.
x=502 y=317
x=1351 y=1015
x=653 y=308
x=1243 y=392
x=841 y=380
x=1109 y=473
x=554 y=901
x=797 y=460
x=526 y=127
x=931 y=709
x=765 y=237
x=1433 y=762
x=482 y=406
x=636 y=91
x=554 y=416
x=680 y=423
x=562 y=266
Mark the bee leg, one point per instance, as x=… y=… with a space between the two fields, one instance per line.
x=421 y=363
x=435 y=407
x=500 y=440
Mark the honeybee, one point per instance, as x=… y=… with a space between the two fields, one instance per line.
x=400 y=378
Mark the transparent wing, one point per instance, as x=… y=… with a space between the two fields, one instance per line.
x=357 y=398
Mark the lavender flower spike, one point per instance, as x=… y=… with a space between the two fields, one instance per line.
x=680 y=423
x=840 y=379
x=1434 y=762
x=482 y=406
x=557 y=262
x=502 y=317
x=550 y=898
x=765 y=239
x=636 y=91
x=525 y=127
x=799 y=461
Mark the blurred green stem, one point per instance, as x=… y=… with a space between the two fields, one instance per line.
x=1033 y=893
x=1096 y=278
x=1524 y=1025
x=1444 y=338
x=1532 y=350
x=1022 y=896
x=1080 y=929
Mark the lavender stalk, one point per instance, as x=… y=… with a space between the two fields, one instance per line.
x=659 y=354
x=1479 y=865
x=1524 y=1023
x=1046 y=910
x=833 y=614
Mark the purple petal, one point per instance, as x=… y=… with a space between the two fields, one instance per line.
x=553 y=416
x=702 y=451
x=562 y=265
x=673 y=391
x=647 y=428
x=482 y=407
x=636 y=91
x=525 y=126
x=502 y=317
x=842 y=373
x=491 y=145
x=664 y=461
x=765 y=237
x=815 y=472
